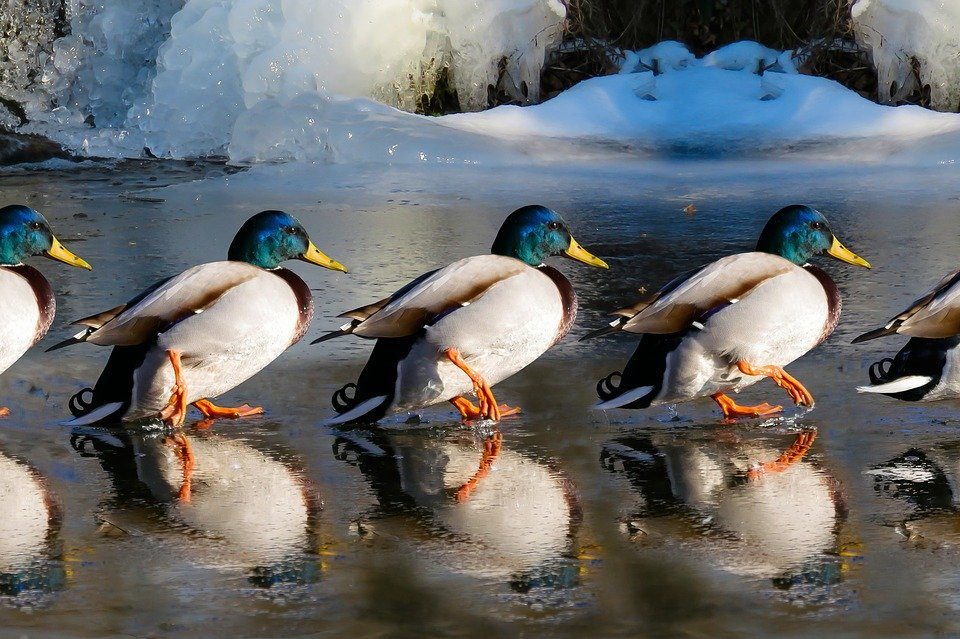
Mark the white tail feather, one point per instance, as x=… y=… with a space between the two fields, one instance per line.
x=622 y=400
x=357 y=411
x=95 y=415
x=898 y=385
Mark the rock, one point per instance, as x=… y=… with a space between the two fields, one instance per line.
x=17 y=148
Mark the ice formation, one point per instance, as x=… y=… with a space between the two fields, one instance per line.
x=899 y=32
x=227 y=61
x=175 y=75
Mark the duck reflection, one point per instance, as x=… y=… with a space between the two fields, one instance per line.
x=471 y=503
x=926 y=482
x=238 y=505
x=741 y=505
x=29 y=523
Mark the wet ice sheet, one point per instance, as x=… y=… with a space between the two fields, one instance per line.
x=642 y=522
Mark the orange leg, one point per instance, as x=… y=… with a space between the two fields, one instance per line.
x=791 y=456
x=468 y=411
x=731 y=409
x=4 y=412
x=182 y=449
x=491 y=450
x=211 y=410
x=489 y=408
x=800 y=395
x=175 y=412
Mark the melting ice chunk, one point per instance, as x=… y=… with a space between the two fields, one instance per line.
x=899 y=32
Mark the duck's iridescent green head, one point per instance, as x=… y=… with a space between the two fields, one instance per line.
x=534 y=233
x=271 y=237
x=799 y=232
x=24 y=232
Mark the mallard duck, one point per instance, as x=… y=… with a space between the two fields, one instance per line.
x=466 y=326
x=729 y=324
x=928 y=367
x=204 y=331
x=28 y=302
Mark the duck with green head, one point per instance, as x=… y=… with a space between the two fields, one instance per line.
x=467 y=326
x=204 y=331
x=28 y=301
x=729 y=324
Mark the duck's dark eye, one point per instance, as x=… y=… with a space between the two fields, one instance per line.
x=816 y=225
x=290 y=230
x=553 y=226
x=35 y=226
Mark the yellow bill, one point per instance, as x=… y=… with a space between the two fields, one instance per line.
x=60 y=253
x=844 y=254
x=316 y=256
x=580 y=254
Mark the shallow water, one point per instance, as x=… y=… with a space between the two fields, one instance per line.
x=628 y=523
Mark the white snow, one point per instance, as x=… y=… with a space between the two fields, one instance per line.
x=714 y=112
x=662 y=56
x=897 y=32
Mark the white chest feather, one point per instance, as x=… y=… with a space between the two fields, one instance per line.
x=19 y=317
x=514 y=323
x=226 y=344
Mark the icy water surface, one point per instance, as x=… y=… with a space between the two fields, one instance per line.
x=644 y=523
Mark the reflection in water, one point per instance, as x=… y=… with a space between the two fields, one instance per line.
x=478 y=506
x=29 y=522
x=744 y=506
x=254 y=509
x=926 y=482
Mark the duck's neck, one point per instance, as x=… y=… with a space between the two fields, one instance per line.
x=256 y=255
x=783 y=247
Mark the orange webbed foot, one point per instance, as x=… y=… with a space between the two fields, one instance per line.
x=212 y=411
x=175 y=412
x=489 y=408
x=732 y=410
x=469 y=411
x=800 y=395
x=4 y=412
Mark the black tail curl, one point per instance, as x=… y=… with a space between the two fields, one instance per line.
x=80 y=406
x=342 y=402
x=919 y=356
x=606 y=389
x=880 y=372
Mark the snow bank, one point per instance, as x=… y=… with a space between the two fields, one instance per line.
x=897 y=32
x=701 y=107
